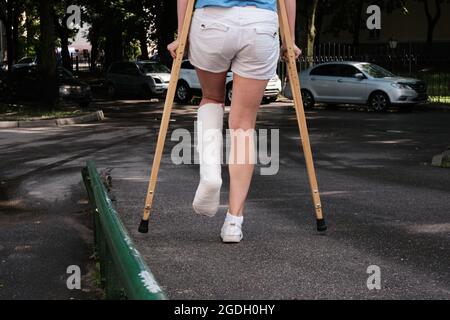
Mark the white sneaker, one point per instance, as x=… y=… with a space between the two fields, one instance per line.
x=231 y=232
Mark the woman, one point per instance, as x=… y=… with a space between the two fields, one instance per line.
x=242 y=35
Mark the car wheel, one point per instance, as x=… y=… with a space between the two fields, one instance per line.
x=379 y=102
x=308 y=99
x=229 y=94
x=146 y=92
x=184 y=94
x=111 y=91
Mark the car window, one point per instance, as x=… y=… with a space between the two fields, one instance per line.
x=375 y=71
x=130 y=69
x=26 y=60
x=153 y=67
x=347 y=71
x=328 y=70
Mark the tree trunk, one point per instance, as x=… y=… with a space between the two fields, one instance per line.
x=10 y=44
x=432 y=20
x=166 y=27
x=93 y=34
x=144 y=44
x=65 y=54
x=312 y=32
x=47 y=63
x=357 y=23
x=15 y=34
x=113 y=47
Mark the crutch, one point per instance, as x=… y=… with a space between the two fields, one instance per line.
x=300 y=111
x=143 y=227
x=321 y=226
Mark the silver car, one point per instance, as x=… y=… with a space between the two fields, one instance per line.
x=359 y=83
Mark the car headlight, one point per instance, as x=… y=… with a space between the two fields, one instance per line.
x=401 y=86
x=157 y=80
x=66 y=90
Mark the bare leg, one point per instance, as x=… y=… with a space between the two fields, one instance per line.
x=213 y=86
x=247 y=96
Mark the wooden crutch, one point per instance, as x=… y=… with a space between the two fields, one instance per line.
x=300 y=111
x=143 y=227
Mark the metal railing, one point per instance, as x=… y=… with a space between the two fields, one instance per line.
x=123 y=272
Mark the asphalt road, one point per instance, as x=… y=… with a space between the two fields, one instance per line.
x=385 y=205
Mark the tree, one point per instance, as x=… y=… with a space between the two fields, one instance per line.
x=306 y=32
x=350 y=15
x=47 y=53
x=165 y=13
x=10 y=11
x=63 y=32
x=432 y=18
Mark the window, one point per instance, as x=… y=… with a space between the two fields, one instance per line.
x=347 y=71
x=375 y=71
x=327 y=70
x=26 y=60
x=130 y=69
x=153 y=67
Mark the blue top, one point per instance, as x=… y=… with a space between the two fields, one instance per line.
x=262 y=4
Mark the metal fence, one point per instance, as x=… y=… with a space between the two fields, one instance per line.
x=123 y=272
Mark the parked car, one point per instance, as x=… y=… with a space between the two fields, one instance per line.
x=71 y=88
x=189 y=85
x=359 y=83
x=24 y=83
x=26 y=62
x=142 y=78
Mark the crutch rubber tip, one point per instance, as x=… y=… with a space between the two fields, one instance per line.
x=143 y=227
x=321 y=225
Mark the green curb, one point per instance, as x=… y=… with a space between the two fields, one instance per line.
x=123 y=271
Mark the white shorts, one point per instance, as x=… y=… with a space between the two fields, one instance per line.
x=245 y=38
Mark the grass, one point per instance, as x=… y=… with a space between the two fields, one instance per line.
x=19 y=112
x=440 y=99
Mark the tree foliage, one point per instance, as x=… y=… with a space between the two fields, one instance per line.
x=124 y=29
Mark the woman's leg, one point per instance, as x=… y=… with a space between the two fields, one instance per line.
x=213 y=86
x=247 y=97
x=210 y=142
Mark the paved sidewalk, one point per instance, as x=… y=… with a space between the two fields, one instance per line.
x=384 y=204
x=384 y=207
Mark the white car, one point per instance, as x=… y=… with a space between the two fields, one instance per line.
x=189 y=85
